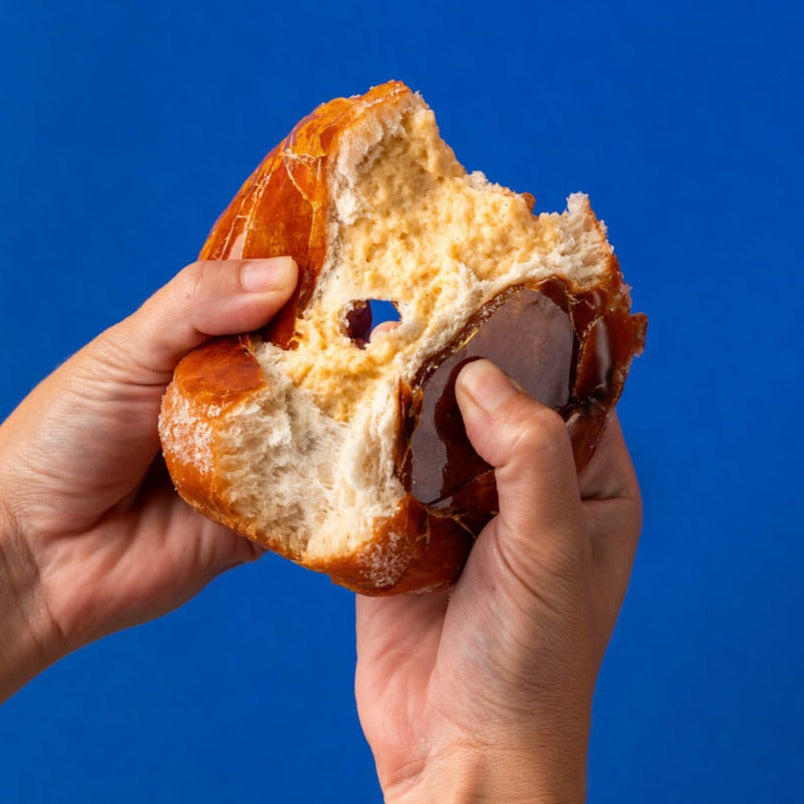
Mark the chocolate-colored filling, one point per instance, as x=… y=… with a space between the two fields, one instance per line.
x=568 y=347
x=532 y=340
x=357 y=322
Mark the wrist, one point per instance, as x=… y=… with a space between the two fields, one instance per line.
x=537 y=775
x=29 y=638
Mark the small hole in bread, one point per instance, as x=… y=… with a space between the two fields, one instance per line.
x=361 y=315
x=383 y=311
x=385 y=315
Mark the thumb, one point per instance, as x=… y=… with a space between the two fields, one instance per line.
x=539 y=527
x=205 y=299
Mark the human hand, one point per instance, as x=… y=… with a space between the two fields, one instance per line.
x=93 y=537
x=485 y=693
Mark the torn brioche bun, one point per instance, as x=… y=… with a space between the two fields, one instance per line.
x=344 y=451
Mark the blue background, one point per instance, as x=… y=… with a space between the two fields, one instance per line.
x=127 y=126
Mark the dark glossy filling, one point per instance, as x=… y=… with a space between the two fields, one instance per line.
x=561 y=347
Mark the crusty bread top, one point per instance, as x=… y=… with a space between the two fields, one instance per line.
x=296 y=436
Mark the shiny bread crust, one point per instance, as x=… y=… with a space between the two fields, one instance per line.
x=282 y=209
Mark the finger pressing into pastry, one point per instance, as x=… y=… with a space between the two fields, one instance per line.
x=205 y=299
x=528 y=446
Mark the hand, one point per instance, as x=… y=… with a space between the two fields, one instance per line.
x=93 y=538
x=485 y=693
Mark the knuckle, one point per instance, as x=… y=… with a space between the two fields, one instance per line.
x=536 y=430
x=187 y=286
x=558 y=558
x=634 y=514
x=555 y=550
x=542 y=564
x=188 y=292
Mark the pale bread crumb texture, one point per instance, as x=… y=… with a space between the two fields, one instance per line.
x=310 y=482
x=408 y=225
x=439 y=243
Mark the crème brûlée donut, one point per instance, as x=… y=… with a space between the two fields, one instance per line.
x=344 y=450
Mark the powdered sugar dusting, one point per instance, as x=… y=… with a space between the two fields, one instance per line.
x=186 y=433
x=386 y=560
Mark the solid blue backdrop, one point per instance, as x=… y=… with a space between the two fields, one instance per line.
x=127 y=126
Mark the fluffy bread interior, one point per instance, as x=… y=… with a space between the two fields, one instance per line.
x=408 y=225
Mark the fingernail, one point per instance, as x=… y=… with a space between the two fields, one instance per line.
x=486 y=384
x=261 y=276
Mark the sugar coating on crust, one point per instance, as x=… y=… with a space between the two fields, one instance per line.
x=187 y=433
x=384 y=562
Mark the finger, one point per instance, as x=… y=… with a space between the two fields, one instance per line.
x=613 y=507
x=397 y=637
x=397 y=645
x=204 y=299
x=386 y=326
x=610 y=473
x=398 y=624
x=195 y=541
x=539 y=524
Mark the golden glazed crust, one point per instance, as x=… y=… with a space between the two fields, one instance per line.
x=282 y=209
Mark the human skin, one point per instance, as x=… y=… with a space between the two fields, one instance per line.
x=93 y=538
x=484 y=693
